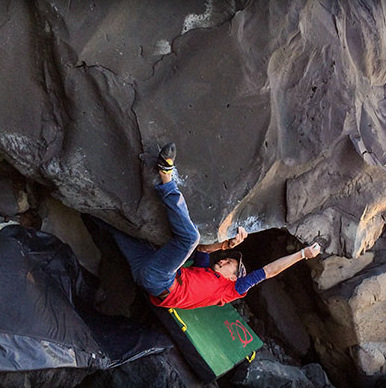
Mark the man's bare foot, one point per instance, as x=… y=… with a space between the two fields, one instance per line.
x=165 y=177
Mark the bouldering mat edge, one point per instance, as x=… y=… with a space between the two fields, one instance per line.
x=220 y=335
x=212 y=339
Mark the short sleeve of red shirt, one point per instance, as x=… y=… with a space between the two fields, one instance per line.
x=200 y=287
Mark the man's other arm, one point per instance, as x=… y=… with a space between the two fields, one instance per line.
x=279 y=265
x=272 y=269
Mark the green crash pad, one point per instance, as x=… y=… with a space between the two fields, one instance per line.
x=213 y=339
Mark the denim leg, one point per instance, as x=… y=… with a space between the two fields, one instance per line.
x=159 y=271
x=135 y=251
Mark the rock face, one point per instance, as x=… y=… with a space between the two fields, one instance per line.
x=291 y=91
x=331 y=306
x=352 y=334
x=155 y=371
x=277 y=108
x=335 y=269
x=278 y=305
x=67 y=225
x=266 y=372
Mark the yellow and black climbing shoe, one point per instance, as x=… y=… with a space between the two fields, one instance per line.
x=166 y=158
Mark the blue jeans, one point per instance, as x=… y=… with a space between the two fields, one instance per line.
x=155 y=270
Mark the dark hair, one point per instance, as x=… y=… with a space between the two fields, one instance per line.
x=220 y=255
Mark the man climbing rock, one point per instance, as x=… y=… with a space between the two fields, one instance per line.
x=160 y=272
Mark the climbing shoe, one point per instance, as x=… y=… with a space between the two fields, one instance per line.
x=166 y=158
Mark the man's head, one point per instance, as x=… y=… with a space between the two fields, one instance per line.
x=230 y=265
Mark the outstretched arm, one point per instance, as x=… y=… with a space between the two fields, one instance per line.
x=227 y=244
x=272 y=269
x=279 y=265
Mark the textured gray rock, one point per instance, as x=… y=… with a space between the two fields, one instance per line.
x=352 y=334
x=279 y=310
x=277 y=107
x=13 y=195
x=333 y=270
x=67 y=225
x=58 y=378
x=8 y=200
x=269 y=373
x=154 y=371
x=291 y=91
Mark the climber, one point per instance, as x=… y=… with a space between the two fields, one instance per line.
x=160 y=272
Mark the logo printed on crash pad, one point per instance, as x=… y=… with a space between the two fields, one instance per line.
x=237 y=328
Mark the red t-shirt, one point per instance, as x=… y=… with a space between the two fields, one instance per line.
x=200 y=287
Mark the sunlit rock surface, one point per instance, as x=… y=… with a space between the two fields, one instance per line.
x=277 y=108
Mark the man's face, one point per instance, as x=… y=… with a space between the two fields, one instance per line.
x=227 y=268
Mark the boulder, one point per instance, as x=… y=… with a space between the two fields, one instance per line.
x=9 y=204
x=269 y=373
x=277 y=108
x=370 y=357
x=352 y=334
x=66 y=224
x=270 y=302
x=154 y=371
x=291 y=91
x=334 y=269
x=49 y=378
x=13 y=195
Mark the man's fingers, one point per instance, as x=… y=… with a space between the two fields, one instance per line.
x=239 y=238
x=315 y=249
x=242 y=232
